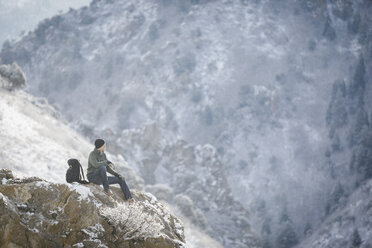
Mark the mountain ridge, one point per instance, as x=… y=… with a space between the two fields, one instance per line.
x=253 y=79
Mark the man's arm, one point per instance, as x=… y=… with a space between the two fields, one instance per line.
x=110 y=169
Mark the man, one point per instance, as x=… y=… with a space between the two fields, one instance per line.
x=98 y=166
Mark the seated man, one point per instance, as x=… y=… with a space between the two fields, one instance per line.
x=98 y=166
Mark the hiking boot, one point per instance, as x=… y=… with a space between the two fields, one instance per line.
x=108 y=193
x=130 y=200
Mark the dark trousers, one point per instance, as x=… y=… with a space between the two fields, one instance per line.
x=100 y=177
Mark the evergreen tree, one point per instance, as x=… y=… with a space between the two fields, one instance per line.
x=361 y=161
x=337 y=115
x=358 y=83
x=266 y=228
x=356 y=241
x=308 y=230
x=359 y=127
x=337 y=194
x=287 y=237
x=266 y=242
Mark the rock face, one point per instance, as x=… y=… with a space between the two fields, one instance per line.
x=36 y=213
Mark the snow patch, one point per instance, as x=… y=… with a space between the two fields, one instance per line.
x=93 y=231
x=35 y=230
x=83 y=191
x=355 y=47
x=21 y=205
x=153 y=199
x=4 y=198
x=79 y=245
x=43 y=184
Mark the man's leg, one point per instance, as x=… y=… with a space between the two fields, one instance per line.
x=100 y=177
x=123 y=186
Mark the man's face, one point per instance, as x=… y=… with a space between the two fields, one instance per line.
x=102 y=148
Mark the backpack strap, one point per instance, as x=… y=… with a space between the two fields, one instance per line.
x=82 y=172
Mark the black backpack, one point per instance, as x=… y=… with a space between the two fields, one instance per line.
x=75 y=173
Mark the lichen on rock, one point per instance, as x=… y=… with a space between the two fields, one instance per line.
x=37 y=213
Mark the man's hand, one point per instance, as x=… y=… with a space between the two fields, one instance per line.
x=110 y=164
x=120 y=176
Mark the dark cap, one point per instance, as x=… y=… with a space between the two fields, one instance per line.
x=99 y=143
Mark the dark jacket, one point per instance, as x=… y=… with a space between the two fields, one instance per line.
x=96 y=160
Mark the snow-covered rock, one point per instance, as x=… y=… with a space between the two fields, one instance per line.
x=37 y=213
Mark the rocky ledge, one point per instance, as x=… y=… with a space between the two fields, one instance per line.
x=37 y=213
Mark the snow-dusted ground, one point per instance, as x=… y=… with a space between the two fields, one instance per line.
x=33 y=141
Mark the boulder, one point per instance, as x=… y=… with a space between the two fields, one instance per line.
x=37 y=213
x=12 y=77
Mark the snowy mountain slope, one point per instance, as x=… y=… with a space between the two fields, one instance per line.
x=37 y=142
x=349 y=114
x=34 y=141
x=349 y=225
x=252 y=78
x=348 y=212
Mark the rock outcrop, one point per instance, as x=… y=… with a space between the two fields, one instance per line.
x=12 y=77
x=37 y=213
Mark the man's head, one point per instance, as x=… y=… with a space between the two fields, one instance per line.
x=100 y=144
